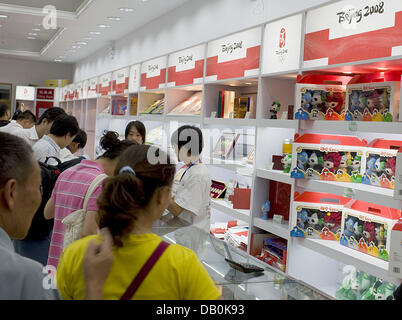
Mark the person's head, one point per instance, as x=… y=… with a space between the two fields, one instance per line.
x=79 y=142
x=114 y=148
x=4 y=112
x=137 y=194
x=188 y=143
x=26 y=119
x=20 y=181
x=46 y=120
x=136 y=131
x=64 y=129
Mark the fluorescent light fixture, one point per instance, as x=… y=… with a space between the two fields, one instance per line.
x=87 y=38
x=35 y=29
x=62 y=57
x=81 y=43
x=58 y=60
x=3 y=16
x=127 y=9
x=114 y=18
x=32 y=34
x=103 y=26
x=94 y=32
x=31 y=38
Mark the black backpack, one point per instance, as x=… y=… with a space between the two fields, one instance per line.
x=40 y=227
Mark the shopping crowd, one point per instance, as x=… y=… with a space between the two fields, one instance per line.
x=91 y=220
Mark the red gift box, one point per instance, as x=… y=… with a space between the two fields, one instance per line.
x=241 y=198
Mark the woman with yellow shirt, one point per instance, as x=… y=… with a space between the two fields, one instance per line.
x=131 y=201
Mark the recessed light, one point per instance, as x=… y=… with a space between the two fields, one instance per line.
x=114 y=18
x=94 y=32
x=127 y=9
x=3 y=16
x=32 y=34
x=81 y=43
x=31 y=38
x=103 y=26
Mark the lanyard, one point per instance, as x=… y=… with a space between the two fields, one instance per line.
x=188 y=167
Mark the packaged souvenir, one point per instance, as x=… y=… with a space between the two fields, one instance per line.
x=381 y=163
x=366 y=227
x=318 y=215
x=328 y=157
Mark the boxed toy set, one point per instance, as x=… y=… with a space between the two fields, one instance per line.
x=320 y=102
x=319 y=215
x=366 y=227
x=218 y=190
x=374 y=97
x=398 y=176
x=381 y=163
x=328 y=157
x=274 y=252
x=395 y=253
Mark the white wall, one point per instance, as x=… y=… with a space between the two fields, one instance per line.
x=26 y=72
x=195 y=22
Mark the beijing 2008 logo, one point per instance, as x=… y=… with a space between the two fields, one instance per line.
x=282 y=52
x=282 y=38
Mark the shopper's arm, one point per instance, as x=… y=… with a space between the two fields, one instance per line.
x=49 y=210
x=90 y=224
x=174 y=208
x=98 y=262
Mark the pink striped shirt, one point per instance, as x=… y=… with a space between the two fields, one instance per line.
x=68 y=196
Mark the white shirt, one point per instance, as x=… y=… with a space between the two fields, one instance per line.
x=12 y=127
x=46 y=147
x=29 y=135
x=192 y=193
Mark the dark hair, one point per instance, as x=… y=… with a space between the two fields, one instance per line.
x=113 y=145
x=190 y=136
x=3 y=109
x=137 y=125
x=51 y=114
x=63 y=125
x=81 y=138
x=126 y=193
x=26 y=115
x=15 y=158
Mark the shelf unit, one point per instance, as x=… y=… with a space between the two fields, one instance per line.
x=316 y=262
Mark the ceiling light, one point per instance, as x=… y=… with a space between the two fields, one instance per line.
x=127 y=9
x=58 y=60
x=70 y=50
x=31 y=38
x=32 y=34
x=114 y=18
x=81 y=43
x=87 y=38
x=103 y=26
x=94 y=32
x=3 y=16
x=62 y=57
x=35 y=29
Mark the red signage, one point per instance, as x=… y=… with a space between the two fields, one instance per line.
x=45 y=94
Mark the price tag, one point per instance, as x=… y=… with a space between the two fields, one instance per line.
x=349 y=193
x=213 y=114
x=353 y=126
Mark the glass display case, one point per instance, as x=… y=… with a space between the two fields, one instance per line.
x=234 y=284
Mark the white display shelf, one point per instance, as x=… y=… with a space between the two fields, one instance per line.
x=344 y=127
x=231 y=122
x=348 y=256
x=281 y=230
x=358 y=191
x=184 y=118
x=227 y=207
x=229 y=164
x=275 y=175
x=152 y=117
x=278 y=123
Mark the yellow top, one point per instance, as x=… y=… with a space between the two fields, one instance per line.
x=177 y=275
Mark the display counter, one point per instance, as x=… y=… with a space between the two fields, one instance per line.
x=235 y=285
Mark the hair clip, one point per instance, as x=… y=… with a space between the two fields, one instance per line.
x=127 y=169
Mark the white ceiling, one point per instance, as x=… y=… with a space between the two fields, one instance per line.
x=75 y=20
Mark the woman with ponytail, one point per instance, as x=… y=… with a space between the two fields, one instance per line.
x=131 y=201
x=71 y=187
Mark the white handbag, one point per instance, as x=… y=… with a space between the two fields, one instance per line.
x=74 y=222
